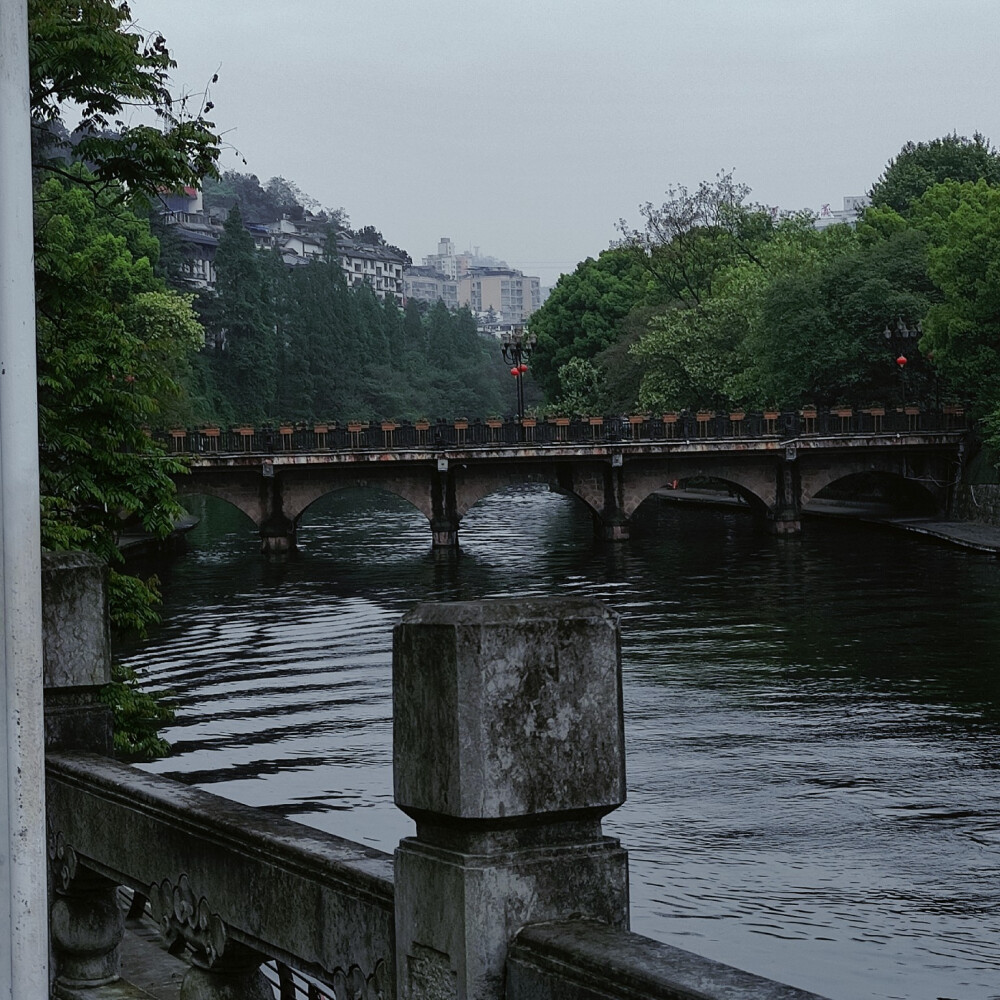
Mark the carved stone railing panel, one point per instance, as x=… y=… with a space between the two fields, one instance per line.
x=219 y=873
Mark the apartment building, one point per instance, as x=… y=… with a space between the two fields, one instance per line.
x=378 y=267
x=425 y=284
x=455 y=265
x=297 y=242
x=511 y=295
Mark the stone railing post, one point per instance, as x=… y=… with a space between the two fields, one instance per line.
x=508 y=748
x=86 y=923
x=76 y=652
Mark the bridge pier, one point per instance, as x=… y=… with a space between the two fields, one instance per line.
x=444 y=532
x=614 y=521
x=277 y=529
x=277 y=536
x=784 y=519
x=784 y=523
x=615 y=527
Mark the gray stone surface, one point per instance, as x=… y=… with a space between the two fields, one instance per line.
x=76 y=638
x=584 y=960
x=508 y=748
x=506 y=709
x=464 y=909
x=76 y=652
x=980 y=502
x=234 y=873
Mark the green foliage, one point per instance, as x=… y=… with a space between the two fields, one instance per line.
x=714 y=303
x=109 y=339
x=962 y=329
x=820 y=338
x=919 y=166
x=585 y=313
x=579 y=381
x=693 y=237
x=246 y=295
x=299 y=344
x=714 y=354
x=138 y=716
x=89 y=54
x=264 y=203
x=112 y=340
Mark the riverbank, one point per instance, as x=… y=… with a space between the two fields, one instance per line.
x=975 y=535
x=142 y=545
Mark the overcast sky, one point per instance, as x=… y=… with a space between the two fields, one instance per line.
x=529 y=128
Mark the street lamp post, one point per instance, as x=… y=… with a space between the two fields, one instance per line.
x=517 y=347
x=898 y=337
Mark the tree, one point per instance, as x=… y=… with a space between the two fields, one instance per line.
x=584 y=313
x=110 y=341
x=962 y=328
x=264 y=203
x=919 y=166
x=579 y=383
x=372 y=237
x=87 y=54
x=819 y=335
x=245 y=321
x=705 y=355
x=111 y=338
x=693 y=236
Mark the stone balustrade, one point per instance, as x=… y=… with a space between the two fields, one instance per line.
x=508 y=751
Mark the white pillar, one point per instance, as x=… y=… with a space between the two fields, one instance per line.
x=23 y=916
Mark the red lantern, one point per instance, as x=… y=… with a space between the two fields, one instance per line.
x=522 y=368
x=901 y=360
x=515 y=372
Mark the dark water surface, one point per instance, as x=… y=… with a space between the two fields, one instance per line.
x=813 y=726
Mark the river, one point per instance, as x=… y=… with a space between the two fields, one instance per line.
x=813 y=726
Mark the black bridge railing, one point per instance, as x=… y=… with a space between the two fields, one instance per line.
x=419 y=435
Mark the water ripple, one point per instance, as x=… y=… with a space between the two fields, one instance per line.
x=813 y=730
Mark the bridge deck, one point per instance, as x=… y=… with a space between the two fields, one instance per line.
x=575 y=450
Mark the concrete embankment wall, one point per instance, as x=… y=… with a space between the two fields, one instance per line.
x=980 y=502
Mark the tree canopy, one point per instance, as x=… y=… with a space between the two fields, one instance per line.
x=717 y=303
x=112 y=340
x=584 y=313
x=962 y=325
x=920 y=165
x=91 y=57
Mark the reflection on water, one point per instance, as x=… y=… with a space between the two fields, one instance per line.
x=813 y=726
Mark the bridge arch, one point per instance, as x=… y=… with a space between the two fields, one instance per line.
x=753 y=502
x=921 y=489
x=242 y=500
x=298 y=500
x=471 y=487
x=757 y=484
x=505 y=499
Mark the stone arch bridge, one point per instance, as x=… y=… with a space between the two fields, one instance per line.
x=274 y=479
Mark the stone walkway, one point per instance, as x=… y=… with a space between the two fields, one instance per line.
x=975 y=535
